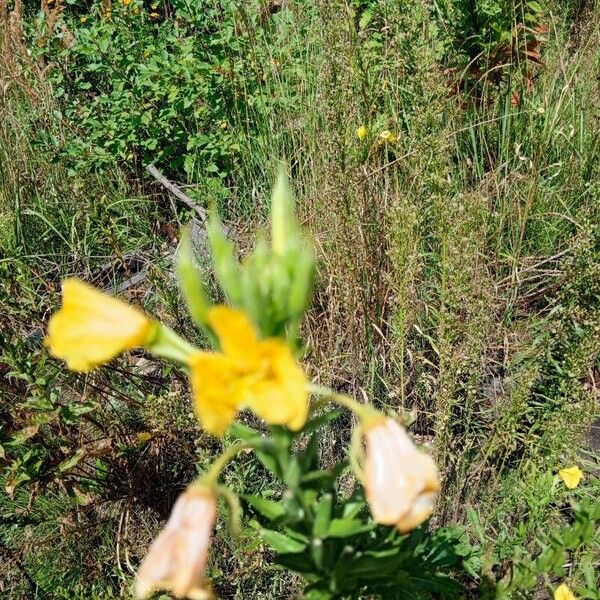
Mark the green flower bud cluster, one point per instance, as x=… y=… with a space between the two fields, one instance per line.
x=272 y=285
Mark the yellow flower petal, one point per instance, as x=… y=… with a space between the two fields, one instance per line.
x=362 y=132
x=563 y=592
x=237 y=336
x=91 y=327
x=280 y=396
x=218 y=390
x=388 y=137
x=571 y=476
x=259 y=374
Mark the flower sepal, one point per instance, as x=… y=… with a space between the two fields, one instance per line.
x=164 y=342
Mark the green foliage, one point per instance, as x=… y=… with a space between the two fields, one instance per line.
x=555 y=545
x=273 y=284
x=458 y=282
x=328 y=537
x=144 y=92
x=490 y=30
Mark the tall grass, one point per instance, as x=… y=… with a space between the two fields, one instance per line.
x=457 y=266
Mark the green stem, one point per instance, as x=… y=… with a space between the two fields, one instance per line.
x=210 y=478
x=362 y=411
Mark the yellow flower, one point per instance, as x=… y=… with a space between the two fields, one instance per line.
x=571 y=476
x=401 y=482
x=177 y=558
x=362 y=132
x=83 y=19
x=562 y=592
x=258 y=374
x=126 y=2
x=91 y=327
x=154 y=15
x=388 y=137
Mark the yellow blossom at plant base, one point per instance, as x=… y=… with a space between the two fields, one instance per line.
x=362 y=132
x=126 y=2
x=562 y=592
x=248 y=373
x=92 y=327
x=177 y=558
x=571 y=476
x=400 y=482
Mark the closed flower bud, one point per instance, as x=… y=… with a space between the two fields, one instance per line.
x=400 y=481
x=177 y=558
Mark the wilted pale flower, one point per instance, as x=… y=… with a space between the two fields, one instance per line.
x=92 y=327
x=562 y=592
x=571 y=476
x=362 y=132
x=177 y=558
x=400 y=481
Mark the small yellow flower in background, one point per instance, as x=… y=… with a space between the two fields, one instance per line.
x=258 y=374
x=562 y=592
x=223 y=125
x=154 y=15
x=83 y=19
x=388 y=137
x=571 y=476
x=91 y=327
x=143 y=437
x=401 y=482
x=177 y=558
x=362 y=132
x=126 y=2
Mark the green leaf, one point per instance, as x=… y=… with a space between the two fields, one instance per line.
x=243 y=432
x=224 y=260
x=69 y=463
x=191 y=281
x=19 y=438
x=247 y=434
x=321 y=421
x=268 y=508
x=342 y=528
x=323 y=516
x=281 y=543
x=284 y=227
x=299 y=562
